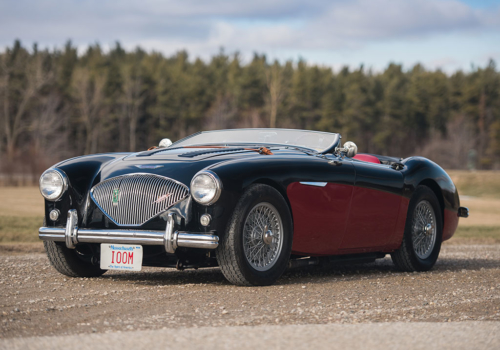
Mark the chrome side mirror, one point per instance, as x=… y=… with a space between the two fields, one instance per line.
x=350 y=149
x=165 y=143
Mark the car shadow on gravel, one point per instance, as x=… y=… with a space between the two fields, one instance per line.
x=311 y=274
x=456 y=264
x=169 y=276
x=385 y=266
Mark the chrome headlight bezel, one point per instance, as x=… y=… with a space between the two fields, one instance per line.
x=64 y=186
x=217 y=183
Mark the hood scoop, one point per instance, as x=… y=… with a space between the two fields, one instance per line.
x=193 y=154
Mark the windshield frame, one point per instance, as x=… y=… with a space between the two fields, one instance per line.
x=329 y=149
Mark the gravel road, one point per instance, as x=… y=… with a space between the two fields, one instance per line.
x=374 y=336
x=35 y=300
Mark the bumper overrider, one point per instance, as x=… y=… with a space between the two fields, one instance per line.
x=170 y=238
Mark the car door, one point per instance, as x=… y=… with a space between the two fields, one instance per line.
x=375 y=206
x=320 y=206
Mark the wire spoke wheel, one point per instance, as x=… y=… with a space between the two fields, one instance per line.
x=262 y=236
x=258 y=242
x=424 y=230
x=423 y=233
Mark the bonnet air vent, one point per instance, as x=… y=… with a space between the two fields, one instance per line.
x=201 y=152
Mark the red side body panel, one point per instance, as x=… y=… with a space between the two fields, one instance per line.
x=367 y=158
x=397 y=237
x=320 y=217
x=373 y=219
x=450 y=223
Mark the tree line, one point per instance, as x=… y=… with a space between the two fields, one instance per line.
x=56 y=104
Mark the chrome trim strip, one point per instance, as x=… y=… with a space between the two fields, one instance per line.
x=317 y=184
x=138 y=194
x=146 y=166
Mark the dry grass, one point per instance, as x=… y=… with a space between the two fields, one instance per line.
x=21 y=214
x=483 y=212
x=21 y=201
x=485 y=184
x=480 y=192
x=19 y=229
x=475 y=232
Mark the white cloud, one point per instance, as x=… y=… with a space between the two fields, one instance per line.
x=202 y=27
x=353 y=23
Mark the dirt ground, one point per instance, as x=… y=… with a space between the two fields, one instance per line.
x=465 y=335
x=36 y=300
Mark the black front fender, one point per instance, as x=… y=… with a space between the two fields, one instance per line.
x=419 y=170
x=82 y=172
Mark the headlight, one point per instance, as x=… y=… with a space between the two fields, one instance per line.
x=206 y=187
x=53 y=184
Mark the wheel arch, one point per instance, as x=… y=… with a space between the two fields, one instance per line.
x=277 y=187
x=433 y=185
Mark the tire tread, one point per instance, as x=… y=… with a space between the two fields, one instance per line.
x=404 y=258
x=65 y=261
x=226 y=252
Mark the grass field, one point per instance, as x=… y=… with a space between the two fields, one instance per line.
x=484 y=184
x=21 y=214
x=480 y=192
x=21 y=209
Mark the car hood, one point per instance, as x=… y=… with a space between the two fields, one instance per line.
x=192 y=154
x=180 y=164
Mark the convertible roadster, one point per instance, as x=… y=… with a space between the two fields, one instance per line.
x=251 y=201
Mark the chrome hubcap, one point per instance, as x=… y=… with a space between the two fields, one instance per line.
x=262 y=236
x=424 y=230
x=267 y=237
x=428 y=229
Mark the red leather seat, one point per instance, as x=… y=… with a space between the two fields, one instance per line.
x=367 y=158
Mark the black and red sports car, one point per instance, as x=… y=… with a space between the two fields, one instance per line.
x=251 y=201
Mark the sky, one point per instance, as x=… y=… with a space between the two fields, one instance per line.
x=440 y=34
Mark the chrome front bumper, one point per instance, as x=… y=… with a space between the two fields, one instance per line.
x=169 y=238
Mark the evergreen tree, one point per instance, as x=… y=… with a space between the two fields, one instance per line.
x=58 y=104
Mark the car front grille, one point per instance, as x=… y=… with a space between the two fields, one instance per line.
x=132 y=200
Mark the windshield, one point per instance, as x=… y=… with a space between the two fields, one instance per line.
x=315 y=140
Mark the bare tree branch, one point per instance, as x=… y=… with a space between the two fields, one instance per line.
x=15 y=116
x=134 y=98
x=90 y=96
x=274 y=85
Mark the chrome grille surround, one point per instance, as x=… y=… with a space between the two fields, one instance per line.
x=137 y=196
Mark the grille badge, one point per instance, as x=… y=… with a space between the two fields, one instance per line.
x=162 y=198
x=116 y=193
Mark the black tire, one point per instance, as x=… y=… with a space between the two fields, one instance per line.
x=231 y=255
x=406 y=258
x=68 y=262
